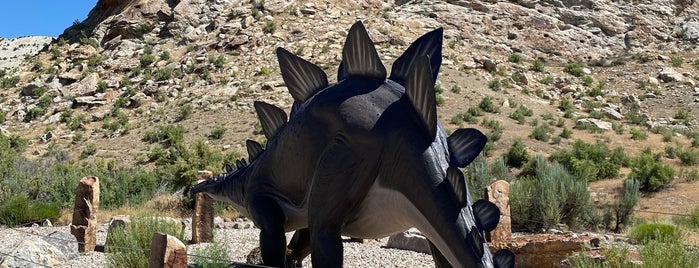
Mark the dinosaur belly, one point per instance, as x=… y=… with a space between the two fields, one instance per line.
x=383 y=212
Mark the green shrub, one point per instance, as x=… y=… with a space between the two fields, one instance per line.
x=638 y=134
x=542 y=132
x=214 y=255
x=688 y=157
x=19 y=209
x=8 y=82
x=495 y=84
x=495 y=127
x=591 y=162
x=168 y=135
x=616 y=256
x=474 y=111
x=538 y=66
x=668 y=255
x=517 y=155
x=270 y=27
x=514 y=57
x=456 y=89
x=566 y=133
x=551 y=196
x=137 y=234
x=218 y=131
x=185 y=112
x=676 y=61
x=146 y=60
x=647 y=232
x=574 y=69
x=587 y=81
x=547 y=80
x=683 y=116
x=488 y=106
x=479 y=174
x=566 y=105
x=217 y=61
x=3 y=116
x=650 y=171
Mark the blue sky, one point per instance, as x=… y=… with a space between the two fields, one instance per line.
x=41 y=17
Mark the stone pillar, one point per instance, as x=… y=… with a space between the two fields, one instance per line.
x=203 y=220
x=87 y=201
x=167 y=251
x=498 y=192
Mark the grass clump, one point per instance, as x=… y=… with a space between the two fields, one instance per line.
x=215 y=255
x=574 y=69
x=20 y=209
x=137 y=234
x=217 y=132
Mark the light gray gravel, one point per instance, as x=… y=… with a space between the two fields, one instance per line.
x=239 y=243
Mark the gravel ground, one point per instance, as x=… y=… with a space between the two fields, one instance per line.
x=239 y=243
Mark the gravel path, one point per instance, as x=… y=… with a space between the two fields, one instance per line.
x=239 y=243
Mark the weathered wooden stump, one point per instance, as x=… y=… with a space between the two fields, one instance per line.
x=498 y=192
x=167 y=251
x=203 y=219
x=84 y=225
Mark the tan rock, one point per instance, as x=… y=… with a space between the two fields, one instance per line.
x=203 y=219
x=84 y=225
x=498 y=192
x=167 y=251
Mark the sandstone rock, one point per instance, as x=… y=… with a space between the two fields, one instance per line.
x=409 y=240
x=544 y=250
x=84 y=224
x=51 y=251
x=670 y=75
x=203 y=219
x=592 y=122
x=612 y=113
x=167 y=251
x=498 y=192
x=86 y=86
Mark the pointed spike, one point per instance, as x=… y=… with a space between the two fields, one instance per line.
x=420 y=90
x=341 y=74
x=302 y=78
x=487 y=215
x=239 y=164
x=430 y=45
x=254 y=149
x=271 y=117
x=465 y=144
x=456 y=179
x=229 y=168
x=504 y=258
x=359 y=56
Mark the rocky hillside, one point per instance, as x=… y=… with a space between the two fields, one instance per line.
x=14 y=50
x=134 y=65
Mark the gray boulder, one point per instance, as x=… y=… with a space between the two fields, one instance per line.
x=411 y=239
x=52 y=250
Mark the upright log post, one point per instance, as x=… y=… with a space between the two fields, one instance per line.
x=84 y=225
x=203 y=220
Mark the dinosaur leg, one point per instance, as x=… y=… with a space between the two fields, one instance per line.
x=270 y=218
x=439 y=260
x=300 y=246
x=340 y=183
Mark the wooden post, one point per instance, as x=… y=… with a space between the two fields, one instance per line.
x=498 y=192
x=203 y=219
x=84 y=225
x=167 y=251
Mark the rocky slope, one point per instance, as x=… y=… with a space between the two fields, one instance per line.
x=14 y=51
x=152 y=59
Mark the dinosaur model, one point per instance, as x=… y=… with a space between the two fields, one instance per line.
x=364 y=157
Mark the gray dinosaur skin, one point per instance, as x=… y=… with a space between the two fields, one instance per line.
x=353 y=160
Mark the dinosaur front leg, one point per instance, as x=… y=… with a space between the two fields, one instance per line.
x=300 y=246
x=270 y=218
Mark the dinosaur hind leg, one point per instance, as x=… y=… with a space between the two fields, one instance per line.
x=341 y=181
x=439 y=260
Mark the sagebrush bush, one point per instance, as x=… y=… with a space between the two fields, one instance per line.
x=650 y=171
x=551 y=196
x=123 y=240
x=479 y=174
x=623 y=209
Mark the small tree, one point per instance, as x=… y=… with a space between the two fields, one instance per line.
x=650 y=172
x=517 y=155
x=627 y=201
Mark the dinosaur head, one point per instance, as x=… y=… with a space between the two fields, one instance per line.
x=219 y=187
